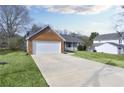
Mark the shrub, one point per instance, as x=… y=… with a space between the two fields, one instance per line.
x=84 y=48
x=94 y=51
x=81 y=48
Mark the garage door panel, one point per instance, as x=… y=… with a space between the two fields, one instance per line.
x=41 y=47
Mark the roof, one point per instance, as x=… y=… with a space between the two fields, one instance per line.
x=111 y=36
x=30 y=34
x=115 y=44
x=70 y=38
x=67 y=38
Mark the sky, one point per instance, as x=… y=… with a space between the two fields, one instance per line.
x=80 y=19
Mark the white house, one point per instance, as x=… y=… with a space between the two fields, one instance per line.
x=112 y=43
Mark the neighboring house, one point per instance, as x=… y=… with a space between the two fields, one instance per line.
x=71 y=42
x=109 y=43
x=46 y=40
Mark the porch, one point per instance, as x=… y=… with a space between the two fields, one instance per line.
x=71 y=46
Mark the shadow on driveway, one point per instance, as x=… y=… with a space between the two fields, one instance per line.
x=94 y=79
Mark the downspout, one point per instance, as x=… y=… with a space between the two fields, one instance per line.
x=64 y=46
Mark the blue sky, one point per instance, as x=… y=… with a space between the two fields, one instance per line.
x=81 y=19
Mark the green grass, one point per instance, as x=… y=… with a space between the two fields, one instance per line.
x=110 y=59
x=21 y=71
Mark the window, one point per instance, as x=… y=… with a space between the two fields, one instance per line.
x=75 y=44
x=68 y=44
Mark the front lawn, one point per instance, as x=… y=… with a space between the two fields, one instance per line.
x=21 y=71
x=115 y=60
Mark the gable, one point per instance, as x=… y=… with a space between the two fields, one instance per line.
x=47 y=35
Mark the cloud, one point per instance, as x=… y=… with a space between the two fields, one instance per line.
x=71 y=9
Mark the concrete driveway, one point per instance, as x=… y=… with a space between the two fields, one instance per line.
x=63 y=70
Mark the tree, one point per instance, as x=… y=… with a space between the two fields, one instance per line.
x=35 y=28
x=3 y=43
x=73 y=34
x=119 y=27
x=92 y=37
x=13 y=19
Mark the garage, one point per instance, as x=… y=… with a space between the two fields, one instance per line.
x=47 y=47
x=45 y=40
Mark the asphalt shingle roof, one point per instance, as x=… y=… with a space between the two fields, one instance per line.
x=70 y=38
x=115 y=44
x=111 y=36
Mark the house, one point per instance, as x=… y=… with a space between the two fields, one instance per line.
x=111 y=43
x=46 y=40
x=71 y=42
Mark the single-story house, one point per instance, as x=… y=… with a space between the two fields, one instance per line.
x=46 y=40
x=109 y=43
x=71 y=42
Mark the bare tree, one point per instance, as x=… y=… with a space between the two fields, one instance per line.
x=121 y=37
x=13 y=19
x=119 y=27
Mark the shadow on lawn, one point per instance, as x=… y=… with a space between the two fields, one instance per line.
x=4 y=75
x=5 y=51
x=94 y=79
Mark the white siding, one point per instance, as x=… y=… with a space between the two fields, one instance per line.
x=123 y=51
x=96 y=42
x=107 y=48
x=123 y=42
